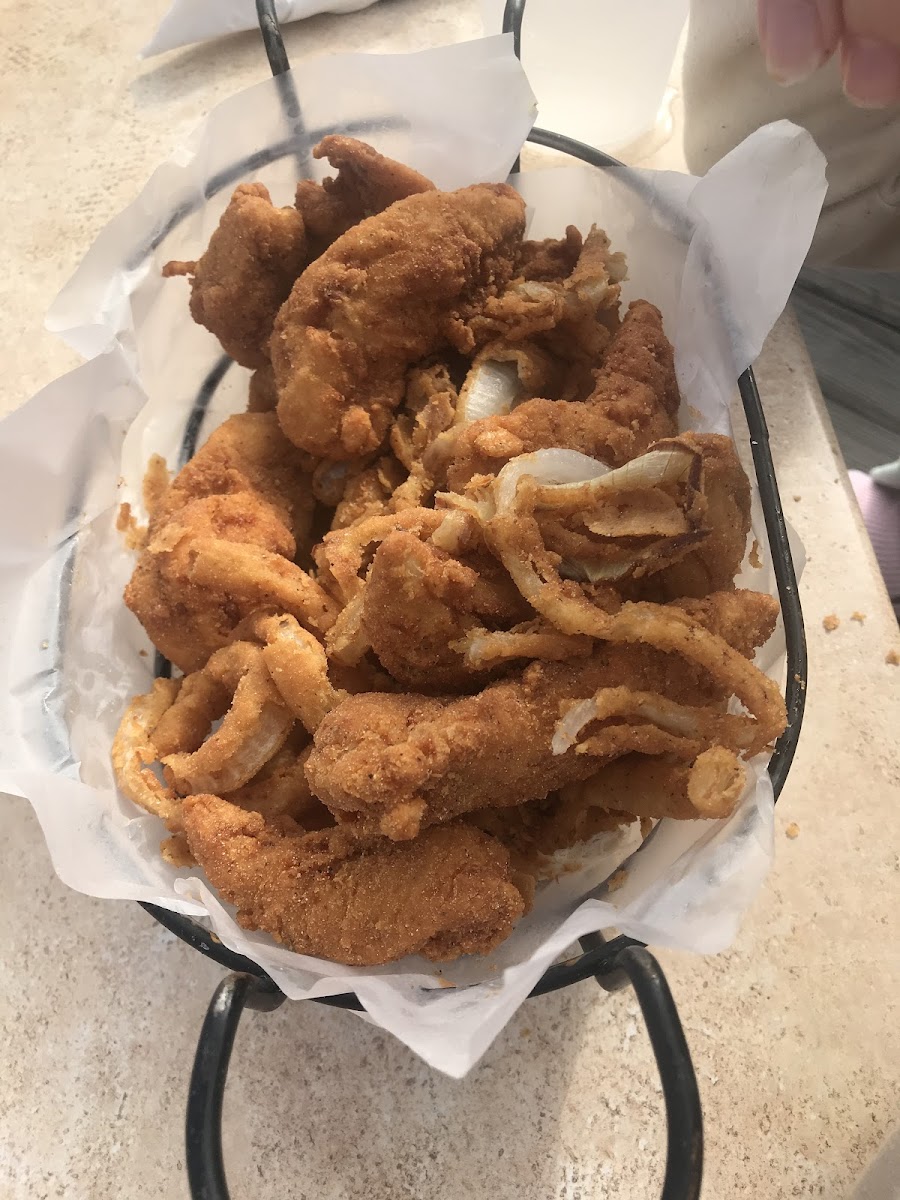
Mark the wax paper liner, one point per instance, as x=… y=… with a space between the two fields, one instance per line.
x=717 y=255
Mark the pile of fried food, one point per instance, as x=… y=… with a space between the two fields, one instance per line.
x=453 y=595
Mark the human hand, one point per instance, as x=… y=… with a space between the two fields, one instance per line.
x=799 y=36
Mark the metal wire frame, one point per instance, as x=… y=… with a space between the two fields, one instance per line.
x=613 y=964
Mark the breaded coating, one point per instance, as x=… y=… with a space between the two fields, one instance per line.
x=185 y=620
x=339 y=363
x=247 y=453
x=624 y=415
x=640 y=350
x=366 y=183
x=714 y=564
x=395 y=763
x=261 y=395
x=745 y=619
x=239 y=505
x=246 y=272
x=657 y=787
x=552 y=259
x=419 y=600
x=450 y=892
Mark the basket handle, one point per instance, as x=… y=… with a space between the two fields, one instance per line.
x=633 y=964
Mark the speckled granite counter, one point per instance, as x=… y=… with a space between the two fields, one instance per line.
x=100 y=1009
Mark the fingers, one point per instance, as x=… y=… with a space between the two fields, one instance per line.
x=870 y=52
x=798 y=36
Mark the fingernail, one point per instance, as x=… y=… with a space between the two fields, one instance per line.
x=793 y=39
x=871 y=72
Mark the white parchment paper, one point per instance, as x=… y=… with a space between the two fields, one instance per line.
x=718 y=255
x=189 y=21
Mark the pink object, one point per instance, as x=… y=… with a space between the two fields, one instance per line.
x=880 y=507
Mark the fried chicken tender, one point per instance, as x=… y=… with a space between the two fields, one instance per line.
x=395 y=763
x=426 y=263
x=247 y=453
x=745 y=619
x=448 y=893
x=640 y=350
x=419 y=600
x=633 y=405
x=246 y=273
x=184 y=618
x=220 y=543
x=366 y=183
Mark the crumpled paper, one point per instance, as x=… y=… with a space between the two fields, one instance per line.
x=190 y=21
x=718 y=255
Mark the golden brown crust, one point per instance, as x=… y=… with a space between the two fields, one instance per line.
x=713 y=566
x=628 y=410
x=246 y=272
x=338 y=367
x=366 y=183
x=450 y=892
x=239 y=506
x=569 y=638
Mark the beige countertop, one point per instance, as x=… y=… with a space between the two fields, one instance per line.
x=795 y=1031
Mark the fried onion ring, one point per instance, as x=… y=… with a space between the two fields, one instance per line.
x=266 y=578
x=346 y=641
x=343 y=553
x=682 y=720
x=133 y=751
x=484 y=648
x=707 y=789
x=252 y=730
x=516 y=539
x=298 y=667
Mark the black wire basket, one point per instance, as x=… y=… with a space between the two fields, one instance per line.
x=613 y=963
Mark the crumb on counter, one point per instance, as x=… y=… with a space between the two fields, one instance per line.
x=792 y=830
x=830 y=623
x=859 y=617
x=797 y=497
x=892 y=658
